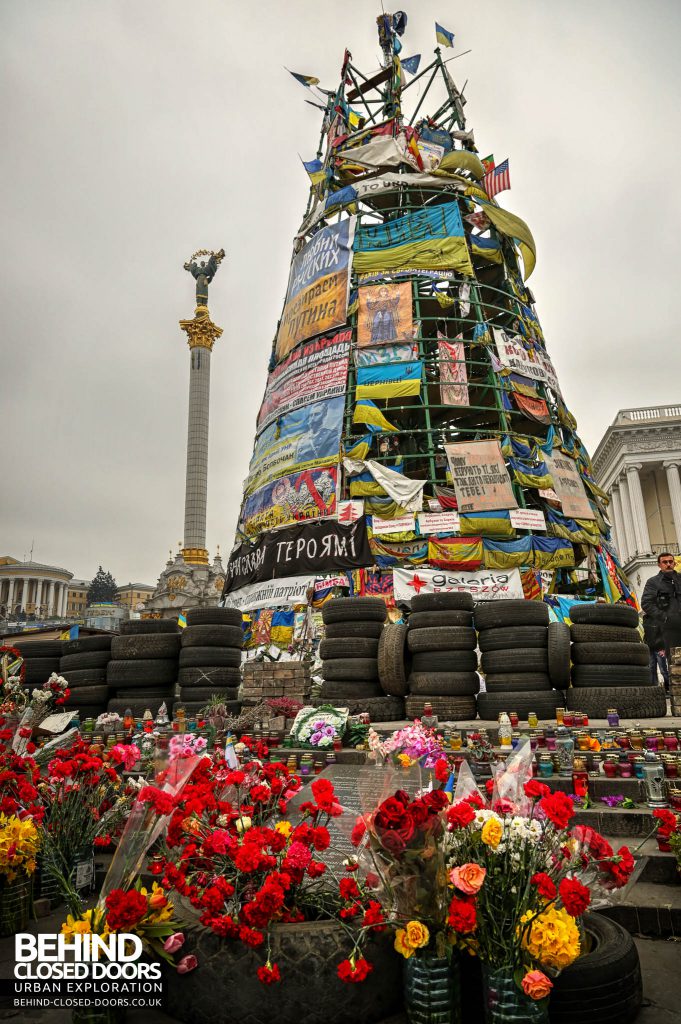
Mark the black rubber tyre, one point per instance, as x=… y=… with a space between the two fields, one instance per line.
x=195 y=707
x=495 y=614
x=604 y=635
x=518 y=661
x=394 y=660
x=84 y=676
x=136 y=626
x=348 y=647
x=146 y=645
x=89 y=710
x=152 y=672
x=610 y=654
x=354 y=609
x=444 y=684
x=147 y=692
x=88 y=659
x=138 y=705
x=39 y=670
x=602 y=986
x=86 y=643
x=214 y=617
x=39 y=648
x=349 y=689
x=445 y=661
x=544 y=704
x=210 y=675
x=631 y=702
x=379 y=709
x=88 y=695
x=442 y=638
x=592 y=614
x=510 y=637
x=339 y=630
x=611 y=675
x=442 y=603
x=213 y=636
x=527 y=682
x=350 y=668
x=205 y=693
x=422 y=620
x=230 y=657
x=448 y=709
x=559 y=654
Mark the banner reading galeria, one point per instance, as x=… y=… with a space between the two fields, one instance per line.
x=306 y=438
x=484 y=584
x=291 y=499
x=318 y=286
x=316 y=371
x=320 y=547
x=272 y=594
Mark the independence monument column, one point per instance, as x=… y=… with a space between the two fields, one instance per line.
x=202 y=334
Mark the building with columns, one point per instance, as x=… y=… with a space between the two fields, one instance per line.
x=32 y=588
x=638 y=463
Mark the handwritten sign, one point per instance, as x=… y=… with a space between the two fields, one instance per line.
x=568 y=485
x=481 y=480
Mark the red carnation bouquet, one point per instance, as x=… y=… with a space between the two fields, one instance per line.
x=244 y=865
x=521 y=876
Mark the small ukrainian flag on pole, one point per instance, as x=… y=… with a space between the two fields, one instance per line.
x=443 y=37
x=182 y=620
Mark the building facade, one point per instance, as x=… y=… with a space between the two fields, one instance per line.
x=133 y=595
x=30 y=588
x=77 y=599
x=638 y=463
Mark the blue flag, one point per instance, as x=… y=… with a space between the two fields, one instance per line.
x=443 y=37
x=312 y=165
x=411 y=64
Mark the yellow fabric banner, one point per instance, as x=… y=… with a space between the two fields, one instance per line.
x=462 y=160
x=449 y=253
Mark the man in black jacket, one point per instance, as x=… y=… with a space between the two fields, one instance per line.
x=661 y=603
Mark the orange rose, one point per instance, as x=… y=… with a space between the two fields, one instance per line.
x=401 y=944
x=536 y=985
x=417 y=935
x=468 y=878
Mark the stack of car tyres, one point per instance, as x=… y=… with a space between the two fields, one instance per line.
x=210 y=658
x=84 y=665
x=524 y=659
x=143 y=669
x=441 y=642
x=41 y=659
x=349 y=653
x=610 y=664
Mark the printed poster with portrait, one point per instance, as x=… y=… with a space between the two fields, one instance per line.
x=385 y=315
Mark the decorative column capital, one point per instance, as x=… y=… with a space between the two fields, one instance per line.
x=634 y=467
x=671 y=464
x=201 y=331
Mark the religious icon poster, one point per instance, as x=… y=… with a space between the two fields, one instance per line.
x=385 y=314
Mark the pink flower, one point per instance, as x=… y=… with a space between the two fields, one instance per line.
x=468 y=878
x=174 y=942
x=187 y=964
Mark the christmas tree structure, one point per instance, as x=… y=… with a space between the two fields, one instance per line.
x=103 y=589
x=413 y=435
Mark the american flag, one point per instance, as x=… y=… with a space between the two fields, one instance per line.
x=497 y=180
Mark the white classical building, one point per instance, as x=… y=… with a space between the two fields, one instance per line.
x=637 y=463
x=32 y=588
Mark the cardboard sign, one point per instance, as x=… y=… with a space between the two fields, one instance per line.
x=528 y=519
x=568 y=485
x=481 y=480
x=483 y=584
x=513 y=354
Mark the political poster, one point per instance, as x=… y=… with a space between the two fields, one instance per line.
x=568 y=485
x=273 y=593
x=302 y=439
x=385 y=315
x=481 y=480
x=513 y=354
x=528 y=519
x=438 y=522
x=318 y=287
x=318 y=547
x=293 y=498
x=312 y=373
x=483 y=584
x=350 y=511
x=382 y=527
x=453 y=377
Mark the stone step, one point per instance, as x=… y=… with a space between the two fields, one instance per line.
x=649 y=909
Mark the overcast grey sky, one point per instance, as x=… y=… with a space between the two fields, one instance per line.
x=134 y=133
